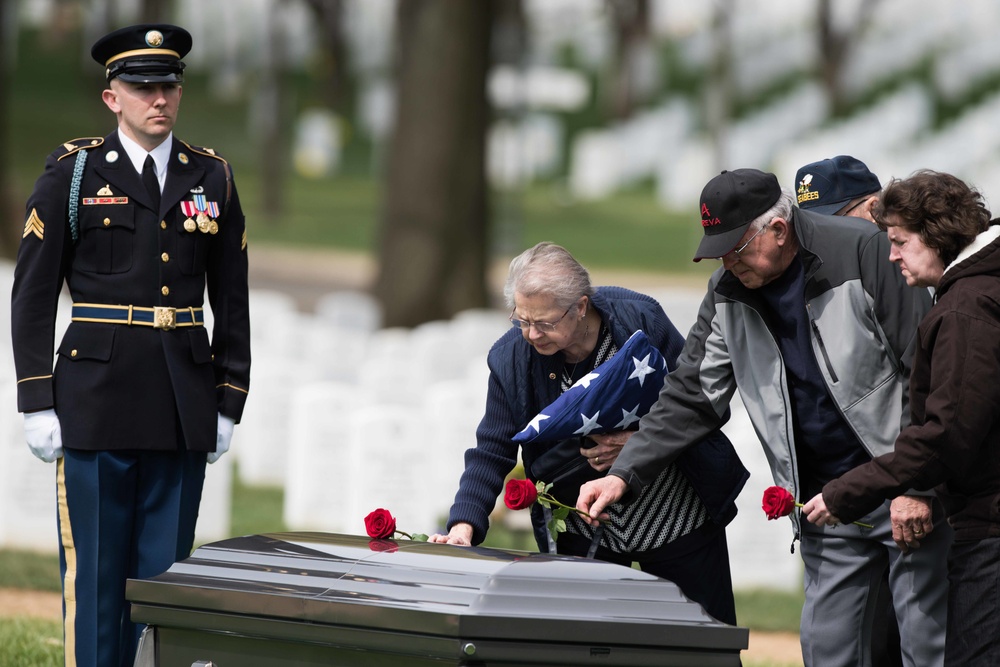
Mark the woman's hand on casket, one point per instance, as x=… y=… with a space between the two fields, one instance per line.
x=460 y=534
x=606 y=448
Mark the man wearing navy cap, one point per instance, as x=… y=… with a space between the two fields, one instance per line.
x=807 y=317
x=841 y=185
x=137 y=224
x=844 y=185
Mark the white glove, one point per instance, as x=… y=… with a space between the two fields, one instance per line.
x=44 y=436
x=222 y=438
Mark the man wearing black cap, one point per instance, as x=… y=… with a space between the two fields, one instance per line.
x=841 y=185
x=137 y=224
x=815 y=327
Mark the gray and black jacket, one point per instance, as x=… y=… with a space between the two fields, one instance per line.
x=863 y=322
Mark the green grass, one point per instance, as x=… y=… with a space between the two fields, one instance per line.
x=29 y=570
x=31 y=643
x=256 y=509
x=769 y=610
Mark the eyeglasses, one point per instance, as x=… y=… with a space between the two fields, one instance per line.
x=545 y=327
x=738 y=251
x=848 y=211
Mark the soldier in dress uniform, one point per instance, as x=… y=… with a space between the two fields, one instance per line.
x=136 y=224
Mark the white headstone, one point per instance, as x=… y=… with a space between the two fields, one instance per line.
x=452 y=411
x=215 y=511
x=350 y=309
x=27 y=485
x=260 y=440
x=393 y=465
x=318 y=478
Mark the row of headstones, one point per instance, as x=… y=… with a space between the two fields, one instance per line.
x=891 y=136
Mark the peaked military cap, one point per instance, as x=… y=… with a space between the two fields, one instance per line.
x=144 y=53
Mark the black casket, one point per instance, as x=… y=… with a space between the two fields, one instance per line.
x=298 y=599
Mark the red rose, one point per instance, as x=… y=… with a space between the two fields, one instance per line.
x=777 y=502
x=380 y=523
x=520 y=493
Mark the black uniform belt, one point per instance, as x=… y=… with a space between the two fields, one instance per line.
x=158 y=317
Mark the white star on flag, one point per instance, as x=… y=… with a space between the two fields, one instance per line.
x=589 y=424
x=628 y=417
x=534 y=423
x=642 y=369
x=586 y=380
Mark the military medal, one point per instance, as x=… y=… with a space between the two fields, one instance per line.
x=190 y=210
x=201 y=215
x=207 y=212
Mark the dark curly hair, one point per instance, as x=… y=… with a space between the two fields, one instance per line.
x=945 y=211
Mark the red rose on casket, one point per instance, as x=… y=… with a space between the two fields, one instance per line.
x=380 y=524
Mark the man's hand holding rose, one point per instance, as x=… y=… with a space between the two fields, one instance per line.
x=597 y=495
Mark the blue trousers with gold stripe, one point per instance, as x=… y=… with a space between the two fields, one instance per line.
x=122 y=515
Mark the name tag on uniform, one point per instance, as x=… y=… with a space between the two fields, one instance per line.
x=90 y=201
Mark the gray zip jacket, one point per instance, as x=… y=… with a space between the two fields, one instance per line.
x=863 y=318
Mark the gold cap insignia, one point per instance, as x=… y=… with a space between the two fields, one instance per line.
x=154 y=38
x=34 y=225
x=805 y=193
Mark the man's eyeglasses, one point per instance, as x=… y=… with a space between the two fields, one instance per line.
x=850 y=208
x=738 y=251
x=545 y=327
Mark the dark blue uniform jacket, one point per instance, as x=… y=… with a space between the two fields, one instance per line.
x=121 y=386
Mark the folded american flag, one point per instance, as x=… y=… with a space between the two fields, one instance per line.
x=612 y=397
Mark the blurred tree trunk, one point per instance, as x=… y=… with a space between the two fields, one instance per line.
x=156 y=11
x=835 y=45
x=432 y=250
x=9 y=206
x=630 y=26
x=275 y=115
x=718 y=105
x=334 y=74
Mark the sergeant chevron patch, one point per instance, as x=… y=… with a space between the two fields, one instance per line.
x=243 y=243
x=34 y=225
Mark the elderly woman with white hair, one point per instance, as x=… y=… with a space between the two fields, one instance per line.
x=563 y=329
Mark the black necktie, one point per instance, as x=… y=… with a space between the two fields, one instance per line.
x=151 y=182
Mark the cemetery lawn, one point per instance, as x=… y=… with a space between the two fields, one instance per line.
x=628 y=231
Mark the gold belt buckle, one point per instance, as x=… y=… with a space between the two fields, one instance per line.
x=164 y=317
